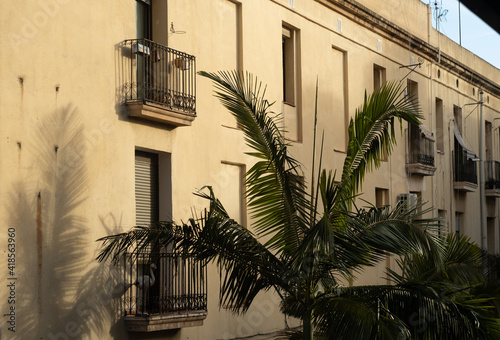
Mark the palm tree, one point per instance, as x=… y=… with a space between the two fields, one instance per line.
x=438 y=294
x=304 y=241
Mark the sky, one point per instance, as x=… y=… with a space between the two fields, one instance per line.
x=476 y=36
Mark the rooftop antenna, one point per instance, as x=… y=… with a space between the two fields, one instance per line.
x=440 y=13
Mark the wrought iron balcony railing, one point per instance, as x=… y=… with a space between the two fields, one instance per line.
x=163 y=284
x=420 y=151
x=492 y=174
x=159 y=75
x=421 y=158
x=464 y=168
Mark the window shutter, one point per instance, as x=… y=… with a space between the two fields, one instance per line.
x=146 y=188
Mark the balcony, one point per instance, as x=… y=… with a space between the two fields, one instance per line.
x=492 y=178
x=420 y=151
x=159 y=83
x=164 y=291
x=464 y=171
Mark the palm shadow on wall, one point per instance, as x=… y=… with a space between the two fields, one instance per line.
x=62 y=293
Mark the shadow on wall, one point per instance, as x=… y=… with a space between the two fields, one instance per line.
x=61 y=291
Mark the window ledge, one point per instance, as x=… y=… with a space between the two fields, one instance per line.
x=159 y=113
x=420 y=169
x=465 y=186
x=492 y=192
x=161 y=322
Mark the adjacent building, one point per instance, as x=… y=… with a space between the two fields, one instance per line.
x=105 y=124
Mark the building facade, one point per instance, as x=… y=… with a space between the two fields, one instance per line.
x=105 y=124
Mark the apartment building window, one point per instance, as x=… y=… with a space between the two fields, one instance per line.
x=378 y=76
x=288 y=55
x=159 y=283
x=488 y=129
x=146 y=188
x=464 y=164
x=457 y=116
x=143 y=19
x=491 y=166
x=413 y=130
x=379 y=80
x=407 y=201
x=157 y=83
x=381 y=197
x=232 y=191
x=490 y=227
x=290 y=39
x=440 y=128
x=229 y=38
x=420 y=151
x=382 y=200
x=458 y=222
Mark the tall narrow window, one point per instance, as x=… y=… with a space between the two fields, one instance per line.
x=153 y=187
x=378 y=81
x=146 y=188
x=143 y=19
x=439 y=125
x=290 y=40
x=420 y=151
x=378 y=77
x=288 y=49
x=228 y=38
x=334 y=77
x=232 y=191
x=143 y=32
x=418 y=200
x=457 y=115
x=413 y=130
x=490 y=229
x=381 y=200
x=458 y=222
x=488 y=129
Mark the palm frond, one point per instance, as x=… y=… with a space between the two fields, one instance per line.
x=371 y=132
x=276 y=193
x=246 y=265
x=457 y=262
x=396 y=312
x=353 y=316
x=142 y=239
x=394 y=230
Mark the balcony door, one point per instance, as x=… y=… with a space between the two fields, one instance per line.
x=144 y=32
x=143 y=19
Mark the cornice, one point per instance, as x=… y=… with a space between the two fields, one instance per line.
x=371 y=20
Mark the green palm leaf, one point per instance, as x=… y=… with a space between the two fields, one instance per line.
x=248 y=266
x=371 y=132
x=395 y=312
x=276 y=194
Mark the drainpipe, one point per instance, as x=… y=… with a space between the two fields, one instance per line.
x=452 y=192
x=432 y=105
x=481 y=174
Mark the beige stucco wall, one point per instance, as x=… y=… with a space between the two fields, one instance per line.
x=67 y=54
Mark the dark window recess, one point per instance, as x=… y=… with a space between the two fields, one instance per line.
x=464 y=165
